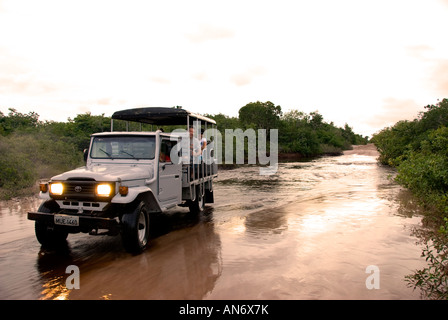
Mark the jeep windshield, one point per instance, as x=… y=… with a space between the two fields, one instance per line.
x=123 y=147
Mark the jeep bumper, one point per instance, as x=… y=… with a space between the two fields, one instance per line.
x=75 y=223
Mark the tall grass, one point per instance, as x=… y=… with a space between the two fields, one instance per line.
x=30 y=156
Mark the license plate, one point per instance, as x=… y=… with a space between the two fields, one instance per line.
x=66 y=220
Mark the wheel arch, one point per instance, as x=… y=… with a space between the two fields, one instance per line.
x=138 y=194
x=49 y=206
x=150 y=200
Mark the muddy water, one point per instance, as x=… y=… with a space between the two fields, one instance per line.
x=308 y=232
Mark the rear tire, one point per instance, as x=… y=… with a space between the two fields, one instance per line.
x=197 y=206
x=135 y=231
x=49 y=237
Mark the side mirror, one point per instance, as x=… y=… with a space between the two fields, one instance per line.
x=86 y=154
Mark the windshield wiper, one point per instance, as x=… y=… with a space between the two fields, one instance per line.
x=122 y=151
x=108 y=154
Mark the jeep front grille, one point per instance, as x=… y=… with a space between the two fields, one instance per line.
x=83 y=190
x=79 y=188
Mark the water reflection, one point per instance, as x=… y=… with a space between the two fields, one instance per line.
x=182 y=262
x=331 y=219
x=266 y=222
x=51 y=265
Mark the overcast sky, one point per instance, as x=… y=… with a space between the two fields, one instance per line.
x=365 y=63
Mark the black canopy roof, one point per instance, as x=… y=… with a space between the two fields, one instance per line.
x=159 y=116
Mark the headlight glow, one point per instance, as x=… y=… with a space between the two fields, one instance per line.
x=103 y=190
x=56 y=188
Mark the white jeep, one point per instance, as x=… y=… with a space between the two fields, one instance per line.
x=128 y=177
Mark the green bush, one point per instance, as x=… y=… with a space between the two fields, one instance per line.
x=433 y=280
x=425 y=171
x=419 y=151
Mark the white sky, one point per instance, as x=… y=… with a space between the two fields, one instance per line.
x=365 y=63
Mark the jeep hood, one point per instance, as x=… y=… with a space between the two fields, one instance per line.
x=105 y=172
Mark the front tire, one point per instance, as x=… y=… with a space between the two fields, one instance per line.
x=135 y=232
x=49 y=237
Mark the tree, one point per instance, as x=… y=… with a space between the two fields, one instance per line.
x=83 y=125
x=17 y=121
x=224 y=122
x=260 y=115
x=316 y=120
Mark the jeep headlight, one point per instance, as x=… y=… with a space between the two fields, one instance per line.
x=56 y=188
x=103 y=190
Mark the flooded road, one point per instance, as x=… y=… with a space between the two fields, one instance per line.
x=307 y=232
